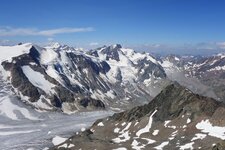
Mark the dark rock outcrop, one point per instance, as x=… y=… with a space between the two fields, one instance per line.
x=89 y=102
x=112 y=52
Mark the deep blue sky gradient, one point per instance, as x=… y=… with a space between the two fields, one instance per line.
x=130 y=22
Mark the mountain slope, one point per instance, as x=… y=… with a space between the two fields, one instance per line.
x=204 y=75
x=175 y=119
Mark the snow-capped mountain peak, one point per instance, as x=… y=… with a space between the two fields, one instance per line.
x=55 y=45
x=7 y=52
x=116 y=46
x=80 y=79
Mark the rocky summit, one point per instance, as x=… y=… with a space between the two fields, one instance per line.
x=175 y=119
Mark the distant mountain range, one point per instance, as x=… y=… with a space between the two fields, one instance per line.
x=59 y=77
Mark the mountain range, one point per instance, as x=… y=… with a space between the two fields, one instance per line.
x=157 y=100
x=59 y=77
x=63 y=78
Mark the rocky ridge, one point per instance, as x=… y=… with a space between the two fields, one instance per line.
x=175 y=119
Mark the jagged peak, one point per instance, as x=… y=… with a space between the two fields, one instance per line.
x=55 y=45
x=115 y=46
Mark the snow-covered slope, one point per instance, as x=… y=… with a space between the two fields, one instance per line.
x=61 y=77
x=7 y=52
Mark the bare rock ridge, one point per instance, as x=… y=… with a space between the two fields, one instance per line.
x=175 y=119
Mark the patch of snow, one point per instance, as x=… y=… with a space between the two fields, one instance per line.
x=188 y=120
x=167 y=126
x=100 y=124
x=147 y=127
x=32 y=63
x=38 y=79
x=136 y=145
x=172 y=136
x=124 y=135
x=155 y=132
x=198 y=136
x=127 y=127
x=206 y=127
x=58 y=140
x=83 y=129
x=123 y=124
x=136 y=123
x=176 y=58
x=63 y=146
x=187 y=146
x=162 y=145
x=71 y=145
x=166 y=123
x=150 y=141
x=116 y=130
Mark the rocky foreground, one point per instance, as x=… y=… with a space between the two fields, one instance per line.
x=175 y=119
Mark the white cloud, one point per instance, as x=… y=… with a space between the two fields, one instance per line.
x=94 y=44
x=9 y=31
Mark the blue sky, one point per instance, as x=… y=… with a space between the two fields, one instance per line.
x=180 y=26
